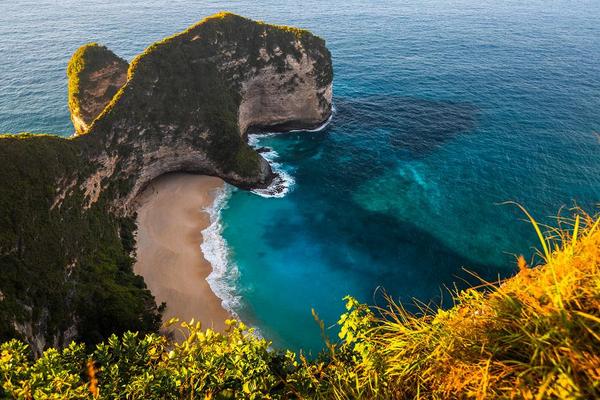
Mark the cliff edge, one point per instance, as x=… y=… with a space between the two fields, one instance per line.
x=95 y=75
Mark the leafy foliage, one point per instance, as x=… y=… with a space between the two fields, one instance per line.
x=533 y=336
x=87 y=274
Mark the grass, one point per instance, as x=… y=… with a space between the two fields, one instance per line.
x=533 y=336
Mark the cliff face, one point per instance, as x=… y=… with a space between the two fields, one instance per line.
x=186 y=104
x=95 y=75
x=65 y=271
x=190 y=99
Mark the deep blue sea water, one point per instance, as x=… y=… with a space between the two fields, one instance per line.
x=444 y=109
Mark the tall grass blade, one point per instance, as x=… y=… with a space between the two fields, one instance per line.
x=538 y=231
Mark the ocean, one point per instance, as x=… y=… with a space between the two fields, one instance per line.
x=443 y=111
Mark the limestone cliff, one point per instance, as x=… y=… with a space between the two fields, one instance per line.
x=186 y=104
x=95 y=75
x=190 y=100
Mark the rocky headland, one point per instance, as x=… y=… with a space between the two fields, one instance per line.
x=95 y=75
x=186 y=104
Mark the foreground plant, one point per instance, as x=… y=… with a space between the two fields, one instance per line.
x=534 y=336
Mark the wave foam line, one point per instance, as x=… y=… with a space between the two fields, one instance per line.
x=284 y=182
x=319 y=128
x=222 y=280
x=224 y=273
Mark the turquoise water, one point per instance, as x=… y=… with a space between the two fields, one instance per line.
x=444 y=109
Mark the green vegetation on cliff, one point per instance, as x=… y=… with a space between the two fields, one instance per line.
x=195 y=79
x=533 y=336
x=62 y=266
x=95 y=75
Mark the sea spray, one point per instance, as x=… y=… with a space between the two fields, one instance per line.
x=225 y=274
x=214 y=247
x=320 y=127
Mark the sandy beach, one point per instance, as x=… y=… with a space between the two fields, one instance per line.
x=170 y=223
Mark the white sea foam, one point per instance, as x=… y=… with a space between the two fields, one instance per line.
x=320 y=128
x=222 y=280
x=214 y=247
x=284 y=181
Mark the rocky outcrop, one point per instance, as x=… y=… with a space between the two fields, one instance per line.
x=190 y=100
x=184 y=105
x=95 y=75
x=298 y=97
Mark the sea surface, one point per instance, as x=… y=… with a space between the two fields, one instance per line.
x=444 y=110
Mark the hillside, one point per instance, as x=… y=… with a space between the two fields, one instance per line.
x=66 y=271
x=534 y=336
x=95 y=75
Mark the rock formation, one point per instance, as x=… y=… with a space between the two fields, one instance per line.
x=190 y=100
x=186 y=104
x=95 y=75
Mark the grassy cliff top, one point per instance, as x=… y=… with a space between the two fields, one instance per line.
x=244 y=32
x=192 y=81
x=236 y=26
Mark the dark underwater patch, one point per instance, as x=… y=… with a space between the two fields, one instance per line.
x=414 y=126
x=381 y=250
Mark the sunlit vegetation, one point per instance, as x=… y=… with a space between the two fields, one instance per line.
x=533 y=336
x=85 y=62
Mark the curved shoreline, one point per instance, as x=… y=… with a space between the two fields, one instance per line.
x=181 y=253
x=284 y=182
x=215 y=251
x=172 y=218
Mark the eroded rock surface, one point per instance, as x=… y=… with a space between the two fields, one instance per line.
x=190 y=100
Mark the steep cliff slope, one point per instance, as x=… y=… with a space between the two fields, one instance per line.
x=187 y=104
x=65 y=272
x=190 y=99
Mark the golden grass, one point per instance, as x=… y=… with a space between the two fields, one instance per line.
x=533 y=336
